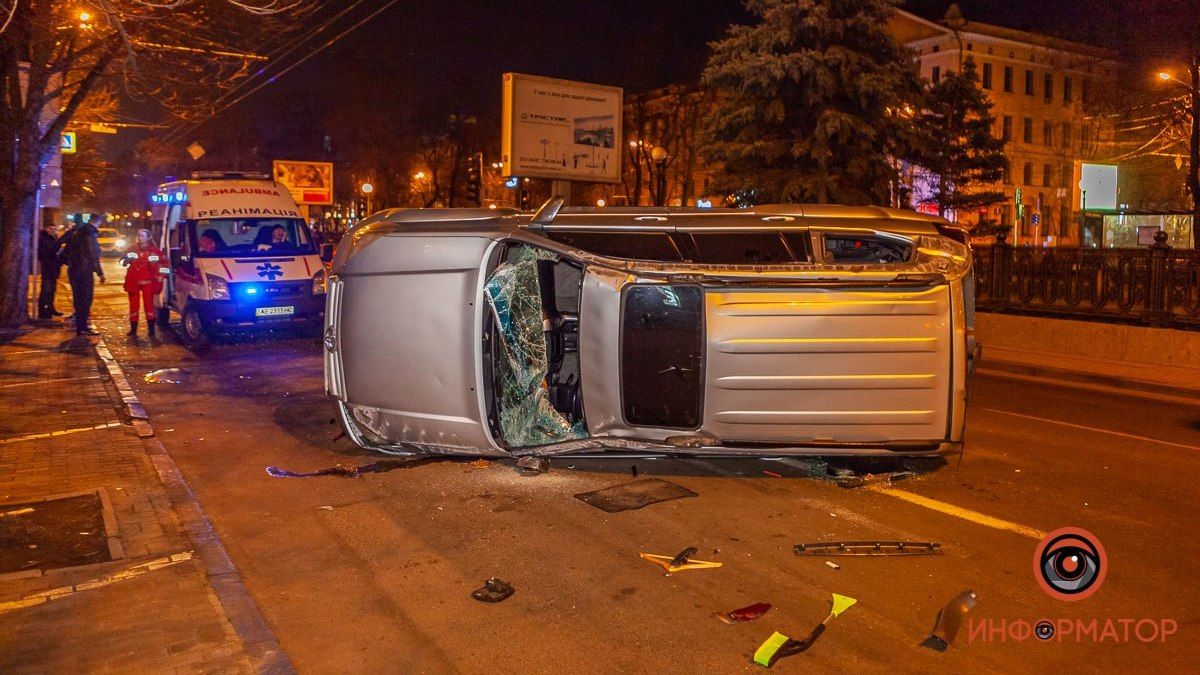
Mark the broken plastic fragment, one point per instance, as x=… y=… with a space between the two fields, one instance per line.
x=949 y=620
x=493 y=590
x=779 y=645
x=748 y=613
x=679 y=562
x=166 y=376
x=833 y=565
x=868 y=548
x=532 y=466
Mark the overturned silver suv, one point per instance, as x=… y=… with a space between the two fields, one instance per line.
x=777 y=330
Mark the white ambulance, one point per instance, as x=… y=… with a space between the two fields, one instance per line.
x=240 y=256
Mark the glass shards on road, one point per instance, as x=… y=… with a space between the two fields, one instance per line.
x=166 y=376
x=634 y=495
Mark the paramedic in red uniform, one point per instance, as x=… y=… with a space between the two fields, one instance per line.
x=143 y=279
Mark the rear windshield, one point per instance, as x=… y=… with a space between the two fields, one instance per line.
x=865 y=249
x=251 y=237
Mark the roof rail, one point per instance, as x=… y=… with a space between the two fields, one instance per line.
x=218 y=175
x=546 y=212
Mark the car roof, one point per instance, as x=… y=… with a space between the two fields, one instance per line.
x=658 y=218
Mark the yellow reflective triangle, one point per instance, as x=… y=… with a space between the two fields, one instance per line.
x=841 y=603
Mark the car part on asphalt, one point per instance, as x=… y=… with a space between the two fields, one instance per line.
x=868 y=548
x=493 y=590
x=166 y=376
x=527 y=417
x=833 y=565
x=679 y=562
x=949 y=620
x=634 y=494
x=747 y=613
x=779 y=646
x=852 y=480
x=532 y=466
x=351 y=471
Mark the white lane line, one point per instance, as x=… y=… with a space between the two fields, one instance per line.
x=1097 y=430
x=57 y=379
x=959 y=512
x=61 y=432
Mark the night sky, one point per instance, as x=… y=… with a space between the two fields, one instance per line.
x=425 y=59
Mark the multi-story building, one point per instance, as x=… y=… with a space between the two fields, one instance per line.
x=1042 y=89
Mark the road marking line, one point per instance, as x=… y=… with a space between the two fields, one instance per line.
x=1087 y=428
x=59 y=379
x=61 y=432
x=119 y=575
x=959 y=512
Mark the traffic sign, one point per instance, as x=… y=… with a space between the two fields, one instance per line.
x=66 y=144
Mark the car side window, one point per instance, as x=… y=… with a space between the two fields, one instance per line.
x=742 y=248
x=865 y=249
x=656 y=246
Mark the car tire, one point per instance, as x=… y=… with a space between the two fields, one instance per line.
x=193 y=329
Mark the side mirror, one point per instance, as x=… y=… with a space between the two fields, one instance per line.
x=326 y=252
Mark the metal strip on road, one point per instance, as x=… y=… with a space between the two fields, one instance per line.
x=1097 y=430
x=61 y=432
x=960 y=512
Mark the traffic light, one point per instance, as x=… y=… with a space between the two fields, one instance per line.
x=475 y=179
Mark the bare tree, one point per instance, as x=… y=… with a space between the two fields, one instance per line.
x=178 y=54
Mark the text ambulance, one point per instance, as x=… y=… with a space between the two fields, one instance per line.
x=240 y=257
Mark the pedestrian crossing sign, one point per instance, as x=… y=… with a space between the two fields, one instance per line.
x=67 y=143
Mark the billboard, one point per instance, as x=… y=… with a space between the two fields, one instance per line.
x=560 y=129
x=309 y=182
x=1098 y=187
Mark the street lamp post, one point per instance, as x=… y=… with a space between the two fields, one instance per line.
x=659 y=156
x=367 y=190
x=1193 y=116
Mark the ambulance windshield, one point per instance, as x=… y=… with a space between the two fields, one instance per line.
x=251 y=237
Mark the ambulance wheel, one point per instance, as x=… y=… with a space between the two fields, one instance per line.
x=163 y=317
x=192 y=328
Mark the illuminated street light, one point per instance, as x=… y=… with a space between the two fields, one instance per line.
x=660 y=156
x=420 y=175
x=85 y=16
x=367 y=188
x=1164 y=75
x=600 y=202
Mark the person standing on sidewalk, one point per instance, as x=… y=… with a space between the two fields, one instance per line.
x=48 y=245
x=81 y=253
x=143 y=280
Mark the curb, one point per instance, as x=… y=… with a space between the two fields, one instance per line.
x=243 y=613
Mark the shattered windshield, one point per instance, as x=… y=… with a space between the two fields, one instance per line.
x=251 y=237
x=527 y=417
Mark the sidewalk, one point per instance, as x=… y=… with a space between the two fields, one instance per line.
x=131 y=578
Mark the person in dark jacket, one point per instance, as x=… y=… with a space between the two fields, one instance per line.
x=81 y=253
x=48 y=245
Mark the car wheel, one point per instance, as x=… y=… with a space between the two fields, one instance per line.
x=193 y=330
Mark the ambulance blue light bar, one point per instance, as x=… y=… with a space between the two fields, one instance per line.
x=178 y=197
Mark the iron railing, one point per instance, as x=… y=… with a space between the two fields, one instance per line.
x=1156 y=286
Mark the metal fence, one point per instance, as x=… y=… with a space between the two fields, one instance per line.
x=1156 y=286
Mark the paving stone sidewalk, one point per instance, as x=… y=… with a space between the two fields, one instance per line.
x=162 y=604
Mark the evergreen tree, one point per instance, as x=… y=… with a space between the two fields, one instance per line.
x=961 y=158
x=812 y=100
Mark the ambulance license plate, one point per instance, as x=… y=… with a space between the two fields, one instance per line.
x=274 y=311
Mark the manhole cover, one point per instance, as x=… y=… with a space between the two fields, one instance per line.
x=53 y=533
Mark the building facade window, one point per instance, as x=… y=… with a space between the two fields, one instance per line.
x=987 y=76
x=1068 y=173
x=1066 y=91
x=1048 y=88
x=1027 y=130
x=1064 y=222
x=1029 y=83
x=1066 y=134
x=1027 y=174
x=936 y=74
x=1006 y=128
x=1047 y=175
x=1008 y=79
x=1047 y=133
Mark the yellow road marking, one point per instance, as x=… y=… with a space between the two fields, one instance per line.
x=959 y=512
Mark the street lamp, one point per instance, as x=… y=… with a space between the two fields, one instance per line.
x=659 y=156
x=1193 y=116
x=367 y=189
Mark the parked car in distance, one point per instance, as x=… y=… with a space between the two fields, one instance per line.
x=110 y=240
x=777 y=330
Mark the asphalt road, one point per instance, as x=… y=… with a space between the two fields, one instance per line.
x=374 y=574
